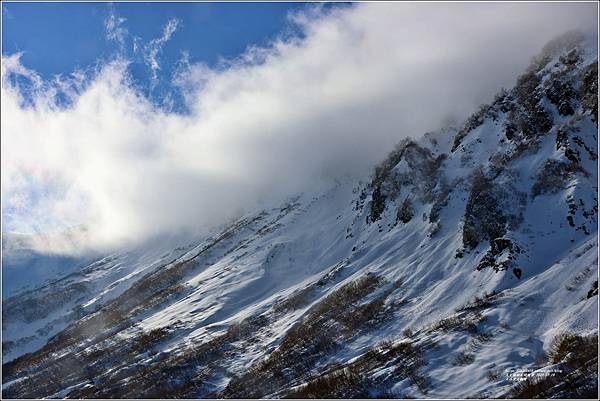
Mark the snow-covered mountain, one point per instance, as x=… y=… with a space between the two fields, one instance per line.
x=470 y=254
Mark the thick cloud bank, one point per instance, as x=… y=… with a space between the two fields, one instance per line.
x=278 y=120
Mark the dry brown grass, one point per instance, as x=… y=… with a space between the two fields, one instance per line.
x=468 y=322
x=336 y=318
x=577 y=358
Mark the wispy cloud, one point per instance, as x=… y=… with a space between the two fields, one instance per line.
x=115 y=29
x=153 y=49
x=278 y=120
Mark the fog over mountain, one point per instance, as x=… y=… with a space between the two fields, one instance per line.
x=466 y=266
x=388 y=200
x=276 y=121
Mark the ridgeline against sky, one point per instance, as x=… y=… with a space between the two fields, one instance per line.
x=135 y=121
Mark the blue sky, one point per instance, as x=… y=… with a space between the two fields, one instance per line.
x=59 y=38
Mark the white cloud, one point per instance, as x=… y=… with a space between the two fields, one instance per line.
x=276 y=121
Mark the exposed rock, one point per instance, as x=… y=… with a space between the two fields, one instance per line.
x=484 y=219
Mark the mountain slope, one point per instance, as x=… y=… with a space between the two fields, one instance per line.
x=468 y=252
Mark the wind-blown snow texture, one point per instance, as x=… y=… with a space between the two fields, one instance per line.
x=467 y=253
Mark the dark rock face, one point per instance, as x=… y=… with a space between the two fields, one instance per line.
x=553 y=177
x=377 y=204
x=405 y=212
x=561 y=94
x=589 y=91
x=420 y=178
x=501 y=247
x=484 y=219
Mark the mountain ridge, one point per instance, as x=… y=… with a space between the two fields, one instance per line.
x=467 y=253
